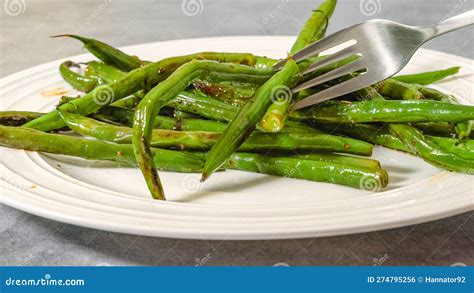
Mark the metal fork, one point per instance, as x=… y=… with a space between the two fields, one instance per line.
x=384 y=48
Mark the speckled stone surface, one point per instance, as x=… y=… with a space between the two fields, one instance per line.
x=30 y=240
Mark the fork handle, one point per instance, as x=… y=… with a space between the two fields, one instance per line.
x=450 y=24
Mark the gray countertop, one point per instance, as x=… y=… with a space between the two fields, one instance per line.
x=30 y=240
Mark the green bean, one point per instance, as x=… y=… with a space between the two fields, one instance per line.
x=463 y=149
x=413 y=91
x=180 y=115
x=298 y=127
x=313 y=30
x=241 y=94
x=244 y=122
x=375 y=134
x=33 y=140
x=127 y=102
x=218 y=110
x=380 y=135
x=130 y=101
x=65 y=100
x=438 y=129
x=189 y=124
x=235 y=94
x=204 y=106
x=108 y=54
x=179 y=161
x=368 y=94
x=257 y=142
x=436 y=95
x=110 y=74
x=168 y=89
x=442 y=149
x=315 y=26
x=96 y=73
x=350 y=175
x=123 y=135
x=125 y=117
x=17 y=118
x=426 y=78
x=275 y=117
x=145 y=78
x=304 y=142
x=103 y=71
x=122 y=116
x=430 y=151
x=399 y=90
x=115 y=115
x=340 y=159
x=464 y=128
x=387 y=111
x=77 y=81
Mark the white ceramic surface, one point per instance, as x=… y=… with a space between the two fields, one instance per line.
x=232 y=204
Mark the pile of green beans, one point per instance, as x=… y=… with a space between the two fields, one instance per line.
x=212 y=111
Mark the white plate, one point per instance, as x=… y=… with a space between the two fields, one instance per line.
x=232 y=204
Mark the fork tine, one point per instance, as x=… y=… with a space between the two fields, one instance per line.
x=349 y=51
x=348 y=68
x=317 y=47
x=341 y=89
